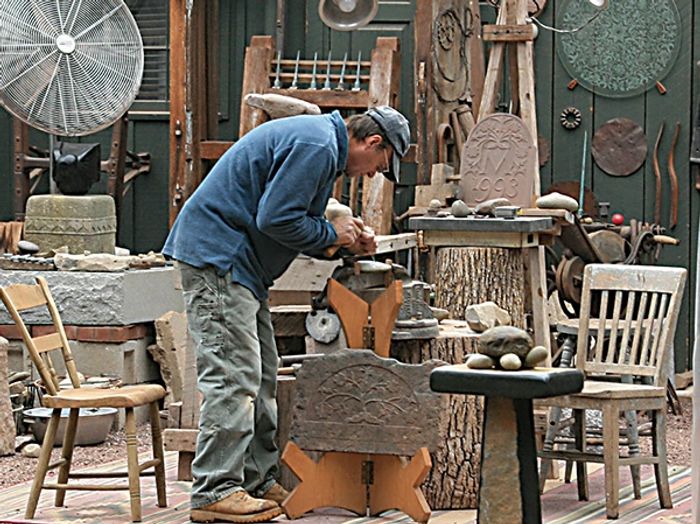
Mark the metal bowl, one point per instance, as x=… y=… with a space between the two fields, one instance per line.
x=93 y=424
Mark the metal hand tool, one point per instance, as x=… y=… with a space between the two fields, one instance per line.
x=277 y=84
x=327 y=83
x=296 y=73
x=312 y=85
x=356 y=85
x=341 y=85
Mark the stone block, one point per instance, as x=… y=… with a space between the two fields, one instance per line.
x=82 y=223
x=354 y=401
x=169 y=351
x=102 y=299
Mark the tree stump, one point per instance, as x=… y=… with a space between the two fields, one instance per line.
x=472 y=275
x=453 y=481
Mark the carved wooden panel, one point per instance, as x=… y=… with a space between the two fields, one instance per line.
x=498 y=160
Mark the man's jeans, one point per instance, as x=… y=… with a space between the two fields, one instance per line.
x=237 y=372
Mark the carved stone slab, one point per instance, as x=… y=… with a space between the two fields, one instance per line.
x=498 y=161
x=355 y=401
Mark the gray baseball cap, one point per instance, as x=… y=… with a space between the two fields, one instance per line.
x=395 y=128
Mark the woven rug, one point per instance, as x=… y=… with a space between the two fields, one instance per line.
x=560 y=504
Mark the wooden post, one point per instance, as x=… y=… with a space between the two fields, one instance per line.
x=378 y=192
x=189 y=97
x=258 y=57
x=21 y=148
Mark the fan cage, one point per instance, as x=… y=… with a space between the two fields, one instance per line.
x=69 y=67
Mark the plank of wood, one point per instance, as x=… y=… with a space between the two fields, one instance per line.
x=180 y=439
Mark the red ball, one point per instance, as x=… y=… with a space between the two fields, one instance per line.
x=618 y=219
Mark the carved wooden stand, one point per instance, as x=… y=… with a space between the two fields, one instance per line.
x=359 y=481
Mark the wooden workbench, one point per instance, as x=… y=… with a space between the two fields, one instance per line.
x=505 y=267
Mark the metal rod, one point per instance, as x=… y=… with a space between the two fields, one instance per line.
x=357 y=85
x=296 y=73
x=277 y=84
x=312 y=85
x=583 y=175
x=327 y=83
x=341 y=84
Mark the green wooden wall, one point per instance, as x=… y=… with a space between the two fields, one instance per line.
x=145 y=217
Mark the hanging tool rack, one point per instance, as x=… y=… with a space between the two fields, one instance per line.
x=331 y=82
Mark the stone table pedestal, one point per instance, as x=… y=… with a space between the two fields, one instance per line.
x=509 y=488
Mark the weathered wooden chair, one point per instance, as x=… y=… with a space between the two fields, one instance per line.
x=20 y=297
x=625 y=366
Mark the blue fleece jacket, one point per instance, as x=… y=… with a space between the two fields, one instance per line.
x=263 y=202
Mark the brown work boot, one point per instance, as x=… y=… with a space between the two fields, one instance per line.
x=237 y=507
x=276 y=493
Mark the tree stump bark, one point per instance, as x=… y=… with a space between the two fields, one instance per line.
x=453 y=481
x=472 y=275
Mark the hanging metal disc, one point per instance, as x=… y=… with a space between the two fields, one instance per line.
x=323 y=326
x=619 y=147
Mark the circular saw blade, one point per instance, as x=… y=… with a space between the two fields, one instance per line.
x=323 y=326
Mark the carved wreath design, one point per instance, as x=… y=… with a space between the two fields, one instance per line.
x=625 y=50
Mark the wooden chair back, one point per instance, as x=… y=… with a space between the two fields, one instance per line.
x=22 y=297
x=637 y=309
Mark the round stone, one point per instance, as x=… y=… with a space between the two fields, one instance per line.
x=535 y=356
x=27 y=248
x=479 y=361
x=500 y=340
x=510 y=362
x=557 y=201
x=460 y=209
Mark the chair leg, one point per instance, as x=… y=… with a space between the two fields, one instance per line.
x=659 y=450
x=567 y=471
x=158 y=453
x=546 y=464
x=133 y=465
x=580 y=439
x=611 y=458
x=67 y=454
x=43 y=464
x=633 y=450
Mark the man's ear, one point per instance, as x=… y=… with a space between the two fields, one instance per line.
x=373 y=140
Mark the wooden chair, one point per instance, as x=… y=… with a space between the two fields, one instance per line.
x=636 y=309
x=20 y=297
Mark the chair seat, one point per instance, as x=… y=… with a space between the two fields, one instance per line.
x=600 y=390
x=124 y=397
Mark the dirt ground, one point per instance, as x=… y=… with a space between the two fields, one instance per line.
x=15 y=469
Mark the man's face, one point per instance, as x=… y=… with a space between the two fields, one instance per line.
x=368 y=157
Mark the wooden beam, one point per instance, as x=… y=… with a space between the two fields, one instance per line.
x=508 y=33
x=256 y=70
x=378 y=192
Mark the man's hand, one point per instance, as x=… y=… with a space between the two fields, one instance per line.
x=348 y=229
x=366 y=243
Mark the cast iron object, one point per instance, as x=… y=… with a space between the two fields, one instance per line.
x=619 y=147
x=323 y=326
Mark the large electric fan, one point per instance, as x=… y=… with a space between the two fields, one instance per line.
x=69 y=67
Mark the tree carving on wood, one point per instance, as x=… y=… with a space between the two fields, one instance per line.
x=367 y=395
